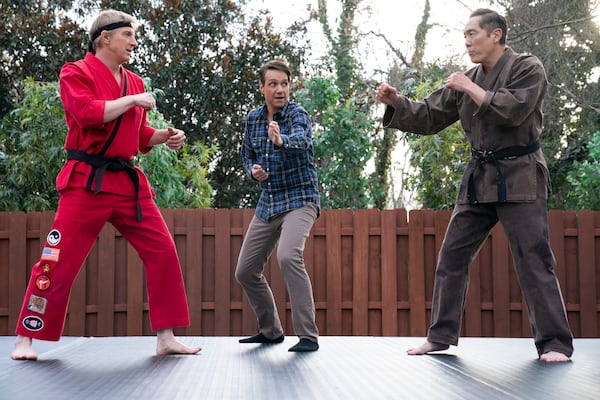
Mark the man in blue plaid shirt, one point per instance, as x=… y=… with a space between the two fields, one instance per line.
x=278 y=153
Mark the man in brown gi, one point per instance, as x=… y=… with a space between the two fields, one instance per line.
x=499 y=104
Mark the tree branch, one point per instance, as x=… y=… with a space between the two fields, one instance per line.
x=522 y=35
x=575 y=98
x=397 y=52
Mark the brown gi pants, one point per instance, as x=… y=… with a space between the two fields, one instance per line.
x=291 y=230
x=526 y=227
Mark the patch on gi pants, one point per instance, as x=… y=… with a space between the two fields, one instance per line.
x=42 y=282
x=37 y=304
x=32 y=323
x=53 y=237
x=50 y=254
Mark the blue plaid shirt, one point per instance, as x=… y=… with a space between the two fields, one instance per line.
x=292 y=181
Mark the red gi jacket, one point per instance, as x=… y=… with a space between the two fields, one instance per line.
x=85 y=86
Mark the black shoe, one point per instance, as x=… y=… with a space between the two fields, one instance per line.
x=260 y=338
x=305 y=345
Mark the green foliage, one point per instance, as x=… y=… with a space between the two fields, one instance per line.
x=341 y=144
x=584 y=179
x=179 y=178
x=37 y=38
x=352 y=90
x=31 y=149
x=32 y=137
x=437 y=161
x=567 y=40
x=205 y=56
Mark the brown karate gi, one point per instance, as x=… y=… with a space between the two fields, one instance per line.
x=512 y=190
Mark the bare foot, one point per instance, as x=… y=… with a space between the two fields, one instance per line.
x=23 y=349
x=426 y=347
x=554 y=357
x=167 y=344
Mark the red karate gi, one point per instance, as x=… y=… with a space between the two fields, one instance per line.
x=85 y=86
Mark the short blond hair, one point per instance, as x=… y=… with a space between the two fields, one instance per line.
x=105 y=18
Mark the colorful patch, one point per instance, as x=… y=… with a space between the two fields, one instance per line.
x=37 y=304
x=50 y=254
x=42 y=282
x=53 y=237
x=32 y=323
x=46 y=268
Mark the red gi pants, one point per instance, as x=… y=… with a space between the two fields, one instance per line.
x=79 y=219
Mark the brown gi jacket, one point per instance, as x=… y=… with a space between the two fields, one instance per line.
x=510 y=115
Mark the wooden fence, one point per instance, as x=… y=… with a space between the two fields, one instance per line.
x=372 y=274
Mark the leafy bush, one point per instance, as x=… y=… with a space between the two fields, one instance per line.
x=437 y=161
x=32 y=137
x=584 y=178
x=341 y=144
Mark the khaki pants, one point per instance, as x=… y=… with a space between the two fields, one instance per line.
x=291 y=230
x=526 y=226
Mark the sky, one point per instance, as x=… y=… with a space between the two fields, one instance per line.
x=397 y=20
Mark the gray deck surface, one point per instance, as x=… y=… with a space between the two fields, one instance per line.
x=343 y=368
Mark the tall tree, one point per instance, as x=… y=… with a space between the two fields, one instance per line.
x=37 y=38
x=565 y=37
x=342 y=58
x=341 y=141
x=340 y=145
x=403 y=74
x=205 y=57
x=437 y=161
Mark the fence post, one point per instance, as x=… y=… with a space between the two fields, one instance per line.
x=587 y=274
x=416 y=273
x=222 y=272
x=333 y=238
x=360 y=273
x=18 y=272
x=389 y=273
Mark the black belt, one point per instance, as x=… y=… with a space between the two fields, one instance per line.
x=101 y=164
x=487 y=156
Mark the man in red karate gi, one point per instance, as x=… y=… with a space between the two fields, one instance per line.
x=105 y=108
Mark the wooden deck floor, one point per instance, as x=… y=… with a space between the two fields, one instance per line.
x=370 y=368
